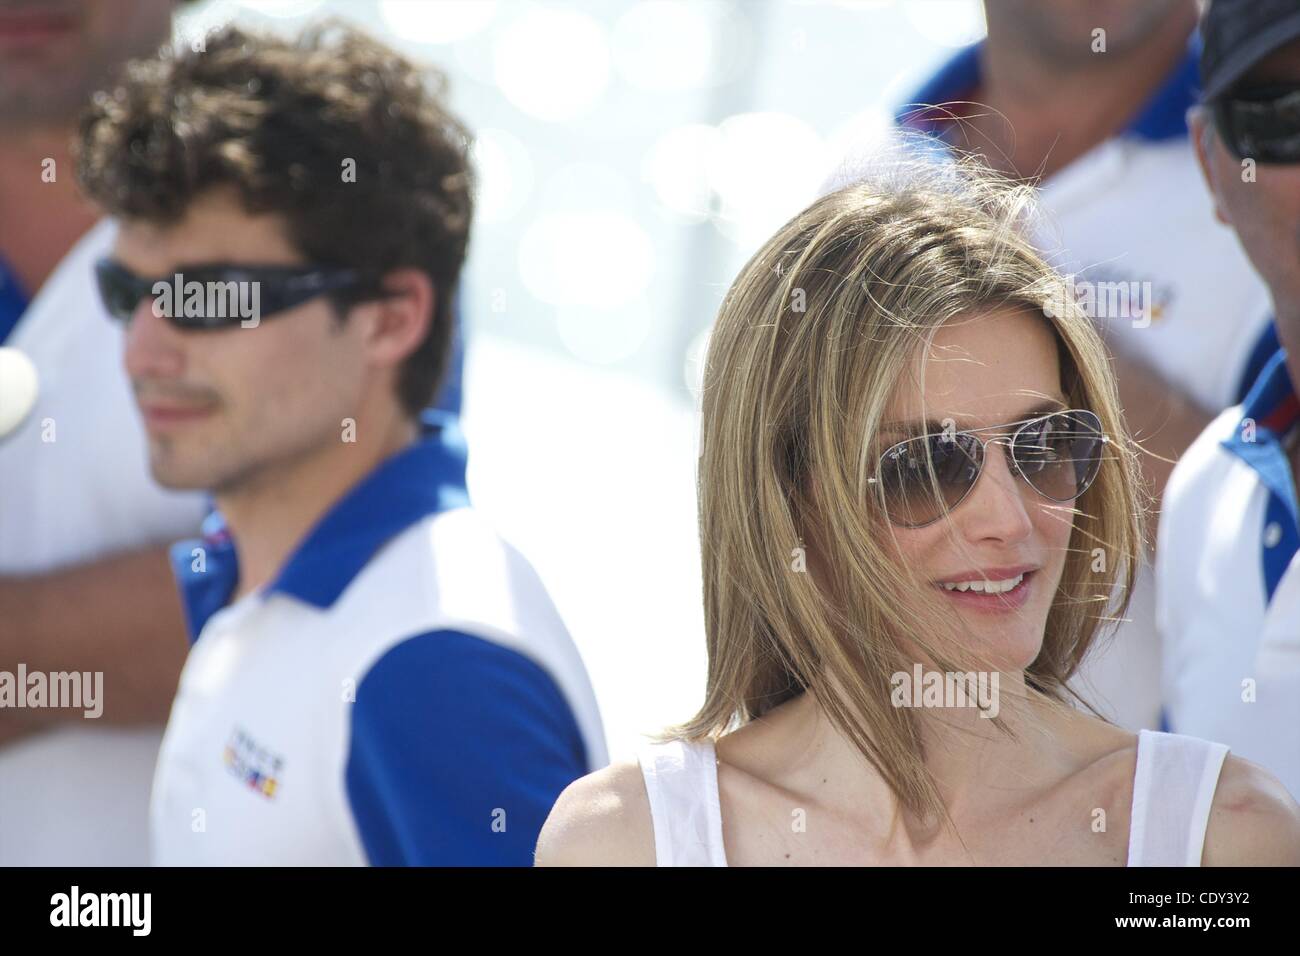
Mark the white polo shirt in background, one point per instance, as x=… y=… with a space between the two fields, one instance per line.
x=74 y=487
x=402 y=693
x=1228 y=581
x=1135 y=209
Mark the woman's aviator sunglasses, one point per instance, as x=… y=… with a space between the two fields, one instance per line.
x=225 y=291
x=1057 y=454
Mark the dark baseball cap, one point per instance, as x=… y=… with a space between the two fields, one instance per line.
x=1237 y=34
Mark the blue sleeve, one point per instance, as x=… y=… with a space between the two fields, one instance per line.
x=459 y=748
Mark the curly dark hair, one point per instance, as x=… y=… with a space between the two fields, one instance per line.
x=278 y=119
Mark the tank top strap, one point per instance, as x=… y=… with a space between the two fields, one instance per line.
x=681 y=780
x=1173 y=791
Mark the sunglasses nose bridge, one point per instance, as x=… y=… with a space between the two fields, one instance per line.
x=1002 y=504
x=1008 y=458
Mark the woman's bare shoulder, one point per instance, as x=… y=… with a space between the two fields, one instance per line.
x=602 y=819
x=1254 y=821
x=1104 y=753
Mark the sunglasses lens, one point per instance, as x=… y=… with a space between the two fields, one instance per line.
x=1059 y=455
x=117 y=289
x=923 y=478
x=1266 y=129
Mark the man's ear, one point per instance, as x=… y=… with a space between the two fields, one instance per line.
x=400 y=322
x=1205 y=140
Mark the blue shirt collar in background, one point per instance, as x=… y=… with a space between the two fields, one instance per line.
x=1163 y=116
x=426 y=478
x=1269 y=414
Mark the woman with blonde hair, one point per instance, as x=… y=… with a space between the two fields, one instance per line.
x=918 y=510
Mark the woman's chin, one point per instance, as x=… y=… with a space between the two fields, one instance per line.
x=1007 y=650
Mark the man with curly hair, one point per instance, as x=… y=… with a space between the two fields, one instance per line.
x=376 y=677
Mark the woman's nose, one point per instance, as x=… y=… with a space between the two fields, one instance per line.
x=998 y=508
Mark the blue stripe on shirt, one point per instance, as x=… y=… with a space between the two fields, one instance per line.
x=458 y=750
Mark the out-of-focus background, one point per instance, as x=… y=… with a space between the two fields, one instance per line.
x=632 y=154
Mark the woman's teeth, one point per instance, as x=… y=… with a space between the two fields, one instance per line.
x=987 y=587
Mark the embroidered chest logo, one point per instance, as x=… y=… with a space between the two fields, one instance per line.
x=256 y=766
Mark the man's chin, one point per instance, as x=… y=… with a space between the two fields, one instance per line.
x=179 y=482
x=175 y=475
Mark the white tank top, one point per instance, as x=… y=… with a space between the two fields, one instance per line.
x=1173 y=788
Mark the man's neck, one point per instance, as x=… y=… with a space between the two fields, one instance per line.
x=269 y=516
x=1292 y=439
x=41 y=213
x=1287 y=320
x=1043 y=115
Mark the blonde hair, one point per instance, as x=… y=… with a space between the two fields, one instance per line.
x=810 y=343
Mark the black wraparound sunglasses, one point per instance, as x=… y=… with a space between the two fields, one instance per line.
x=1261 y=123
x=218 y=296
x=1057 y=454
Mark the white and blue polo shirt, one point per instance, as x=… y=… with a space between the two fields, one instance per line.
x=1229 y=581
x=403 y=693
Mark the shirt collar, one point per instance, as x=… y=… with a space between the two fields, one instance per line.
x=1269 y=413
x=426 y=478
x=1163 y=116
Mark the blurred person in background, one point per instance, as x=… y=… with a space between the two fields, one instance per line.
x=1089 y=98
x=85 y=583
x=903 y=324
x=375 y=676
x=1228 y=576
x=84 y=579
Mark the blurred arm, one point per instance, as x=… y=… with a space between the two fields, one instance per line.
x=120 y=615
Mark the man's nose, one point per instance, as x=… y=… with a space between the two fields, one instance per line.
x=154 y=347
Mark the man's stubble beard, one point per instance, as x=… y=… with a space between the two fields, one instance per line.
x=1041 y=34
x=225 y=470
